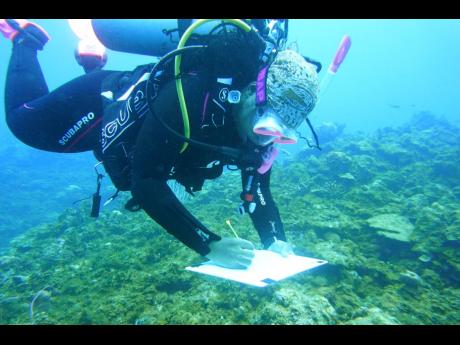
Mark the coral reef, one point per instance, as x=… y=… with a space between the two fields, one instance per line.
x=381 y=208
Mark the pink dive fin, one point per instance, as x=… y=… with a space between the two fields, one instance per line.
x=11 y=33
x=8 y=31
x=341 y=54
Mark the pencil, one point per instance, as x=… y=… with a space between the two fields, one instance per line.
x=231 y=228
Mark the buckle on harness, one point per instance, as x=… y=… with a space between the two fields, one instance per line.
x=96 y=206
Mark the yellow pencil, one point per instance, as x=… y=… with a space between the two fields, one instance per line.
x=231 y=227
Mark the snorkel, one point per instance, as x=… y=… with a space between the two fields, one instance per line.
x=340 y=55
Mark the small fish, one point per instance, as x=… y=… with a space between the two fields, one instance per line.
x=286 y=152
x=424 y=258
x=72 y=187
x=394 y=106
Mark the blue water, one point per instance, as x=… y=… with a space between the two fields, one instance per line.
x=394 y=69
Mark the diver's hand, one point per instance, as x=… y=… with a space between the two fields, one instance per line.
x=231 y=252
x=281 y=247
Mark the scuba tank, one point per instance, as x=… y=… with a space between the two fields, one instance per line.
x=152 y=37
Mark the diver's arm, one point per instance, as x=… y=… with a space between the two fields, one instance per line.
x=160 y=203
x=153 y=158
x=266 y=217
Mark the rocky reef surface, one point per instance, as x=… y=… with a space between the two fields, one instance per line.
x=383 y=209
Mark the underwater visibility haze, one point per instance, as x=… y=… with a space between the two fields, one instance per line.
x=380 y=202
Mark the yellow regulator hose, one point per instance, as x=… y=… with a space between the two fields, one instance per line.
x=180 y=92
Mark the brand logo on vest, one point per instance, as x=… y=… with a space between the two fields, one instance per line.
x=125 y=119
x=75 y=128
x=223 y=94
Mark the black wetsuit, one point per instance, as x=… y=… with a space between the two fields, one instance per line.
x=119 y=127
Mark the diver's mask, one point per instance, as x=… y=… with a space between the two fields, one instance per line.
x=270 y=125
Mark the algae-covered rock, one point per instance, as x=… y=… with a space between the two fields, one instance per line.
x=347 y=180
x=430 y=218
x=7 y=261
x=338 y=162
x=374 y=194
x=395 y=154
x=416 y=201
x=452 y=233
x=360 y=147
x=411 y=278
x=424 y=120
x=445 y=169
x=327 y=217
x=332 y=237
x=392 y=226
x=425 y=258
x=373 y=316
x=335 y=254
x=297 y=307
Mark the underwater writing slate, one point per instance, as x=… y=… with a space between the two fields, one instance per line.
x=267 y=267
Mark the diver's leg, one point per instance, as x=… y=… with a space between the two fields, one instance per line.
x=65 y=120
x=25 y=80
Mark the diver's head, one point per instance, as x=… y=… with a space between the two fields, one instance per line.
x=272 y=108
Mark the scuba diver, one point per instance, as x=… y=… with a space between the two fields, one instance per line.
x=224 y=98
